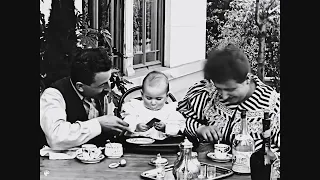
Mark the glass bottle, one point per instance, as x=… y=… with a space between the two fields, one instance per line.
x=260 y=160
x=242 y=148
x=185 y=167
x=275 y=170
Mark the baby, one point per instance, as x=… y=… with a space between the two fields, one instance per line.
x=137 y=114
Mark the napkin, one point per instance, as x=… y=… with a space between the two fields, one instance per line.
x=58 y=154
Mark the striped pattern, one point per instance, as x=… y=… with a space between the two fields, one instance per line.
x=192 y=105
x=202 y=106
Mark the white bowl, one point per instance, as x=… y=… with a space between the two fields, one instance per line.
x=113 y=150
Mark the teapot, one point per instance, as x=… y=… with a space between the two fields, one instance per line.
x=185 y=167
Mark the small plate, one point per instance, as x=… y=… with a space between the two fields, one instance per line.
x=213 y=157
x=114 y=157
x=95 y=160
x=150 y=174
x=140 y=140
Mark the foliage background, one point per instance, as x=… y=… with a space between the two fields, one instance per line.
x=68 y=31
x=228 y=21
x=233 y=21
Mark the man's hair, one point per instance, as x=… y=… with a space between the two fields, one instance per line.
x=87 y=63
x=154 y=78
x=226 y=64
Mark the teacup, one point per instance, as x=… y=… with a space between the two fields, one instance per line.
x=90 y=151
x=113 y=150
x=221 y=151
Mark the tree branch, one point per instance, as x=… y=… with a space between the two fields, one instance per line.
x=257 y=13
x=268 y=11
x=271 y=18
x=275 y=8
x=271 y=3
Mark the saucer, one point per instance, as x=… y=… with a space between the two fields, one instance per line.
x=213 y=157
x=140 y=140
x=114 y=157
x=91 y=161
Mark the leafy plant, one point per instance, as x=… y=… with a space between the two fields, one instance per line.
x=60 y=41
x=238 y=25
x=93 y=38
x=85 y=37
x=116 y=80
x=42 y=50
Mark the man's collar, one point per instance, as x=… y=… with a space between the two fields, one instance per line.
x=80 y=96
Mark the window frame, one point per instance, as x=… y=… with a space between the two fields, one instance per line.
x=158 y=36
x=115 y=25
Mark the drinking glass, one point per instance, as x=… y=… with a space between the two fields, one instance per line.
x=211 y=172
x=203 y=171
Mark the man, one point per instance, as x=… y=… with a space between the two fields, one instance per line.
x=212 y=107
x=71 y=113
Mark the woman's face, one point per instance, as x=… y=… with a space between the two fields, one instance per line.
x=154 y=98
x=233 y=92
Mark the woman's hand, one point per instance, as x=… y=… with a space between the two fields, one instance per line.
x=208 y=133
x=160 y=126
x=266 y=133
x=141 y=127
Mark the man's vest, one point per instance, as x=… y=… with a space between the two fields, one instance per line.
x=75 y=110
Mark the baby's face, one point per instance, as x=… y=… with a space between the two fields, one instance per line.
x=154 y=98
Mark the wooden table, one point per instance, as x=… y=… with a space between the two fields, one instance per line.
x=136 y=164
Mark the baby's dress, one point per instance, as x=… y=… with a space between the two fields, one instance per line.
x=134 y=112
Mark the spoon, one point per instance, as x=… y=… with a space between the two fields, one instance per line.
x=122 y=163
x=109 y=142
x=219 y=140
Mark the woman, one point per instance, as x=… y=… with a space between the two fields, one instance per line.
x=212 y=107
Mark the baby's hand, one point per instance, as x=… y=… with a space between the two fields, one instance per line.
x=160 y=126
x=141 y=127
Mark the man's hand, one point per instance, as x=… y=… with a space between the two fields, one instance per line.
x=208 y=133
x=160 y=126
x=141 y=127
x=112 y=123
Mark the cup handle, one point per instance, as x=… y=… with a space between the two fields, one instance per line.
x=228 y=149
